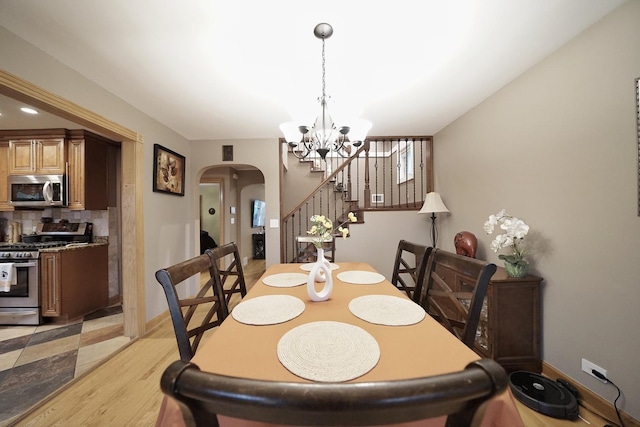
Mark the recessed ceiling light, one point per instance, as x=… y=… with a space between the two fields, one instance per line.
x=28 y=110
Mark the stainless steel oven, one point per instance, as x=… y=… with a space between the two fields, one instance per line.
x=20 y=304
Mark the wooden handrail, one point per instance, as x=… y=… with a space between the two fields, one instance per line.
x=325 y=181
x=401 y=163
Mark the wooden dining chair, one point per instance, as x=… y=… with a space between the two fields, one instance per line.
x=193 y=316
x=227 y=270
x=409 y=268
x=454 y=292
x=461 y=396
x=306 y=251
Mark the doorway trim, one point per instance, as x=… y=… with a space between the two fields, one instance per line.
x=131 y=153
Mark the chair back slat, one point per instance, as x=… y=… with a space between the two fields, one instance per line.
x=456 y=286
x=461 y=396
x=409 y=268
x=208 y=302
x=230 y=277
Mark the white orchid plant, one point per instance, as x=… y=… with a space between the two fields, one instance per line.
x=322 y=228
x=515 y=231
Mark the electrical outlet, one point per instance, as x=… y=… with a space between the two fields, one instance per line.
x=588 y=367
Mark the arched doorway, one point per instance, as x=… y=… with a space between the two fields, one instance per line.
x=239 y=185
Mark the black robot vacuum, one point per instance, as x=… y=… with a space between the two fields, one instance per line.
x=553 y=398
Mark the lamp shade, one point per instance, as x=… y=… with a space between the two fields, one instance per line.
x=433 y=203
x=291 y=132
x=359 y=130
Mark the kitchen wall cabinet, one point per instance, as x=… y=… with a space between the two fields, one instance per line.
x=89 y=160
x=37 y=152
x=4 y=171
x=74 y=282
x=90 y=171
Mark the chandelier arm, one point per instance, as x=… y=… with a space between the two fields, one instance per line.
x=297 y=153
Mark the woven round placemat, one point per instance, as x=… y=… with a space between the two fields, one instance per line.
x=268 y=309
x=386 y=310
x=308 y=266
x=358 y=277
x=328 y=351
x=286 y=280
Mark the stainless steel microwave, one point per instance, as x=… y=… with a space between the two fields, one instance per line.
x=37 y=191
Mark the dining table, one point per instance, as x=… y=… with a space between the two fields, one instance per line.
x=368 y=330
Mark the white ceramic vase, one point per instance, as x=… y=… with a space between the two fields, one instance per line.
x=321 y=272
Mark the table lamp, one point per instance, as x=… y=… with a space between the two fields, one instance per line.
x=432 y=204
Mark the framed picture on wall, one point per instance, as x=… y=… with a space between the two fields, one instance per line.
x=227 y=153
x=168 y=171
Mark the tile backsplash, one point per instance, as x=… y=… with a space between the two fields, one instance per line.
x=29 y=219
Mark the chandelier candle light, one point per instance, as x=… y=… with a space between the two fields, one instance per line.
x=323 y=137
x=322 y=231
x=515 y=231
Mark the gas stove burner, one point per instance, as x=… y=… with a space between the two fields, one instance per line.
x=51 y=244
x=23 y=246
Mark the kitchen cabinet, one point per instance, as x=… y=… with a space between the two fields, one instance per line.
x=89 y=161
x=74 y=282
x=37 y=152
x=91 y=171
x=4 y=171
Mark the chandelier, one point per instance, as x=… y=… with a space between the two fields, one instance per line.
x=323 y=137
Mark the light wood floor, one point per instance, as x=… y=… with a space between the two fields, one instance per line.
x=124 y=391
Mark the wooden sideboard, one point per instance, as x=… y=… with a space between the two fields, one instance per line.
x=510 y=326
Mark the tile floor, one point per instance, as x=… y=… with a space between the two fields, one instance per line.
x=37 y=360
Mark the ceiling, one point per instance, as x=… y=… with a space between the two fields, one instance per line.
x=222 y=69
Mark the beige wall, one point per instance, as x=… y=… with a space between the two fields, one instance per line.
x=299 y=182
x=169 y=236
x=205 y=154
x=557 y=147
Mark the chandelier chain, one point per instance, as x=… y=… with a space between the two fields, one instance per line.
x=323 y=72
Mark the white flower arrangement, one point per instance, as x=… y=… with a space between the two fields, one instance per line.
x=322 y=228
x=515 y=232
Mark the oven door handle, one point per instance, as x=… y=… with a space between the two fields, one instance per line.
x=24 y=264
x=18 y=313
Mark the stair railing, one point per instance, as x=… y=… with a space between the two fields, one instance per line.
x=385 y=173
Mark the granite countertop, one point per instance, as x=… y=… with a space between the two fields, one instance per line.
x=75 y=246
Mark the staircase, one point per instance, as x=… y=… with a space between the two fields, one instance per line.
x=385 y=173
